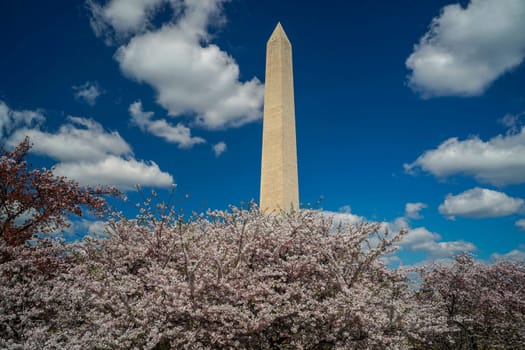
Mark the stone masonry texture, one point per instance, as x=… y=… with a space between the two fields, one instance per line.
x=279 y=181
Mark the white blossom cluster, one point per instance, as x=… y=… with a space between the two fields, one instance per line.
x=241 y=279
x=472 y=305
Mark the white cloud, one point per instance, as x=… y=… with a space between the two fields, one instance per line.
x=344 y=216
x=511 y=121
x=178 y=134
x=422 y=240
x=412 y=210
x=418 y=236
x=192 y=76
x=121 y=18
x=498 y=161
x=5 y=119
x=480 y=203
x=84 y=151
x=521 y=224
x=11 y=119
x=112 y=170
x=79 y=227
x=80 y=139
x=88 y=92
x=96 y=227
x=468 y=48
x=219 y=148
x=513 y=255
x=417 y=239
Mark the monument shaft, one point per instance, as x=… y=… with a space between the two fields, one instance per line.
x=279 y=183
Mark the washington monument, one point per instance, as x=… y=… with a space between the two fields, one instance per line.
x=279 y=184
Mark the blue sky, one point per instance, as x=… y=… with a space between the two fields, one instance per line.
x=408 y=113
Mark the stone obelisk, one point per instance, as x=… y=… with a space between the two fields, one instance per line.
x=279 y=184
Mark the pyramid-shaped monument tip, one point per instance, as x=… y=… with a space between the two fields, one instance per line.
x=278 y=33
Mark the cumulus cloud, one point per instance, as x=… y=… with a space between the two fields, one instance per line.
x=179 y=134
x=344 y=216
x=80 y=139
x=422 y=240
x=79 y=227
x=521 y=224
x=192 y=76
x=513 y=122
x=480 y=203
x=498 y=161
x=12 y=119
x=84 y=150
x=219 y=148
x=117 y=171
x=120 y=18
x=513 y=255
x=96 y=227
x=468 y=48
x=412 y=210
x=87 y=92
x=418 y=239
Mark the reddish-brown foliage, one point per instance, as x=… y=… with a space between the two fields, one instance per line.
x=36 y=201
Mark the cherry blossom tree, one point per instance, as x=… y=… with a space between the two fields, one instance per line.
x=28 y=280
x=472 y=305
x=36 y=201
x=236 y=279
x=229 y=279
